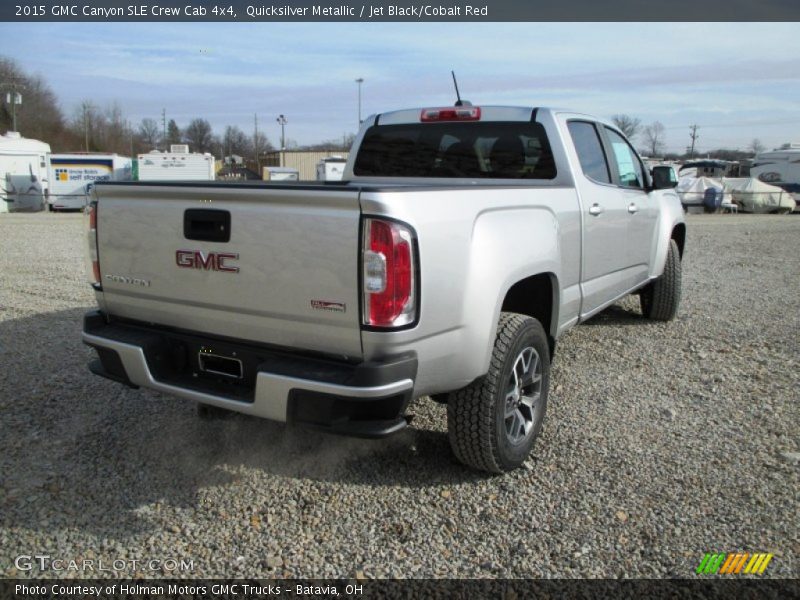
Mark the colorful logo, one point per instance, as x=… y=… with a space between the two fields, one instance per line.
x=734 y=564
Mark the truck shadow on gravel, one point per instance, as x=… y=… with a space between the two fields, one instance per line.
x=78 y=451
x=622 y=313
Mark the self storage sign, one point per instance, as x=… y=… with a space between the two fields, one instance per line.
x=80 y=174
x=71 y=174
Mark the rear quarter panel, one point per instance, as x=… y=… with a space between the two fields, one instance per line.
x=474 y=244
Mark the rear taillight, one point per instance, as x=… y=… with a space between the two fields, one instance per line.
x=390 y=298
x=93 y=263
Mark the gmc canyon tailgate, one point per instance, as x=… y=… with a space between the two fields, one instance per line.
x=287 y=276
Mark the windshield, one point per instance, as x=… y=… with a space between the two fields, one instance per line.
x=489 y=150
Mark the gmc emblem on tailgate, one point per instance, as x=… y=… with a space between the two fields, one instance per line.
x=213 y=261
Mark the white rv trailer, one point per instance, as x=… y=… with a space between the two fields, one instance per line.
x=780 y=167
x=177 y=165
x=23 y=162
x=331 y=168
x=71 y=175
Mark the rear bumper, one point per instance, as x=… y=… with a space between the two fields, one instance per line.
x=362 y=399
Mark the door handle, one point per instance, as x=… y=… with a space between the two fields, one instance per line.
x=632 y=208
x=596 y=209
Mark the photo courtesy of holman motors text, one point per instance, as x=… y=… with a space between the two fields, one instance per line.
x=183 y=589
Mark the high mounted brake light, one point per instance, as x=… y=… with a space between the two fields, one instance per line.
x=459 y=113
x=389 y=274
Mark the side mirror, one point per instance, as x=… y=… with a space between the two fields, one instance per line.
x=664 y=177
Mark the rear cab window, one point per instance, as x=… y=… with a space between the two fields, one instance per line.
x=590 y=151
x=484 y=150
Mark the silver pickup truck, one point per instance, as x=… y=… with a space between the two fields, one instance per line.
x=462 y=243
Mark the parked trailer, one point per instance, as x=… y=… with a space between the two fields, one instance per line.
x=23 y=173
x=331 y=169
x=176 y=166
x=780 y=167
x=280 y=174
x=71 y=175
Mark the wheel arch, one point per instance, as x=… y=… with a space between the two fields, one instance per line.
x=536 y=296
x=679 y=235
x=671 y=226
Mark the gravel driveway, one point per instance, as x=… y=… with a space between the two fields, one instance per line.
x=662 y=442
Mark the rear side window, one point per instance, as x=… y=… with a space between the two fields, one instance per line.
x=630 y=169
x=490 y=150
x=590 y=151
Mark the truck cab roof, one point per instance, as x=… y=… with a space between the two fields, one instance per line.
x=487 y=113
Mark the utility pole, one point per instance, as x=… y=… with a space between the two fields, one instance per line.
x=14 y=98
x=255 y=144
x=359 y=81
x=694 y=137
x=282 y=120
x=86 y=125
x=164 y=125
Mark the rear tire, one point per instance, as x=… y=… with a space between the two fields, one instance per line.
x=660 y=299
x=493 y=423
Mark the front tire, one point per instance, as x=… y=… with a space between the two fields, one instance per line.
x=660 y=299
x=493 y=423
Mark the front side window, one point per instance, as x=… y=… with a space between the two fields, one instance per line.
x=484 y=150
x=630 y=169
x=590 y=151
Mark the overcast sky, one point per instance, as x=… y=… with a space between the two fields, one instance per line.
x=736 y=81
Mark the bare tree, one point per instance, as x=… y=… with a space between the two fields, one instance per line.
x=117 y=134
x=628 y=125
x=235 y=141
x=261 y=144
x=149 y=133
x=101 y=130
x=756 y=147
x=342 y=144
x=174 y=134
x=39 y=116
x=87 y=125
x=654 y=138
x=90 y=128
x=199 y=136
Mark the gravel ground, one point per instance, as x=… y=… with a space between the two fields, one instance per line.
x=662 y=442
